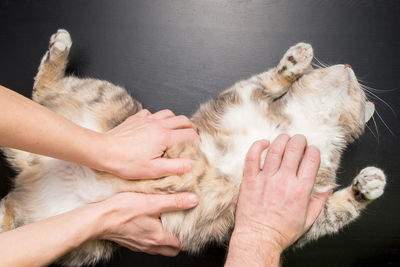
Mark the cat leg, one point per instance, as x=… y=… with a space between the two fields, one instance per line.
x=53 y=64
x=295 y=62
x=345 y=205
x=7 y=213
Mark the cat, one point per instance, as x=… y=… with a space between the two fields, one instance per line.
x=327 y=105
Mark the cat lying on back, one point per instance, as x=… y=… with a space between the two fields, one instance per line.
x=327 y=105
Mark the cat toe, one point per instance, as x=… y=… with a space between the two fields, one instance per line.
x=296 y=60
x=370 y=183
x=60 y=41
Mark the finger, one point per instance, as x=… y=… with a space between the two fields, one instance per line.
x=167 y=251
x=163 y=114
x=253 y=158
x=178 y=122
x=181 y=136
x=309 y=166
x=166 y=166
x=274 y=155
x=293 y=154
x=171 y=202
x=171 y=241
x=314 y=208
x=142 y=113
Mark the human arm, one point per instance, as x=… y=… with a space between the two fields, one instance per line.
x=129 y=219
x=274 y=207
x=131 y=150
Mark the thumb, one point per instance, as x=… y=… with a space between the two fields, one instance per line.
x=253 y=159
x=165 y=166
x=315 y=206
x=173 y=202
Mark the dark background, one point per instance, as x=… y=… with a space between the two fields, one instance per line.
x=177 y=54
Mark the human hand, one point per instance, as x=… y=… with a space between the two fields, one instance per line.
x=133 y=220
x=274 y=207
x=134 y=149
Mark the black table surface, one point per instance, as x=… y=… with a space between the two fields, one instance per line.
x=177 y=54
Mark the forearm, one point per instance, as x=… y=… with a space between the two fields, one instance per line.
x=41 y=243
x=245 y=251
x=28 y=126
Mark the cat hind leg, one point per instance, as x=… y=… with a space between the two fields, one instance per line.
x=53 y=64
x=7 y=213
x=345 y=205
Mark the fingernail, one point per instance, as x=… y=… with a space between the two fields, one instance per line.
x=193 y=199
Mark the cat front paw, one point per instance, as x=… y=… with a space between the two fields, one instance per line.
x=60 y=43
x=369 y=184
x=296 y=61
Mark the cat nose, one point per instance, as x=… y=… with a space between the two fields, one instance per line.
x=347 y=66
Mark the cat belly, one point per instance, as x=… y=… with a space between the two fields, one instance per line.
x=64 y=187
x=246 y=125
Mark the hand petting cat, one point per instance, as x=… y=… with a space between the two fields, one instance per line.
x=274 y=207
x=134 y=149
x=130 y=219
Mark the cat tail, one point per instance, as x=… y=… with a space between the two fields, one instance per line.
x=7 y=213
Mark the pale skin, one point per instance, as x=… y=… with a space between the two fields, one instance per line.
x=274 y=207
x=131 y=219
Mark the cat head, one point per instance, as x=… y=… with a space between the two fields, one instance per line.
x=339 y=97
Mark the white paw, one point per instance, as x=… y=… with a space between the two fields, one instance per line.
x=60 y=41
x=370 y=183
x=296 y=60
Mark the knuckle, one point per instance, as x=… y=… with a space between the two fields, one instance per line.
x=314 y=158
x=168 y=112
x=184 y=119
x=274 y=152
x=180 y=168
x=293 y=148
x=158 y=239
x=173 y=252
x=179 y=202
x=145 y=111
x=251 y=157
x=165 y=135
x=151 y=201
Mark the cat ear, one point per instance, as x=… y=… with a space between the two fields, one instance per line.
x=369 y=110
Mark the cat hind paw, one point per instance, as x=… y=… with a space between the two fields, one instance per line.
x=369 y=183
x=60 y=42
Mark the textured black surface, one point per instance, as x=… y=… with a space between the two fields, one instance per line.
x=176 y=54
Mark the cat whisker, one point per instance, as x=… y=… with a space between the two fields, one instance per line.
x=376 y=128
x=373 y=89
x=373 y=95
x=320 y=62
x=384 y=123
x=373 y=134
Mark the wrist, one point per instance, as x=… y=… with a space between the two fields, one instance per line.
x=94 y=150
x=246 y=248
x=101 y=223
x=108 y=216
